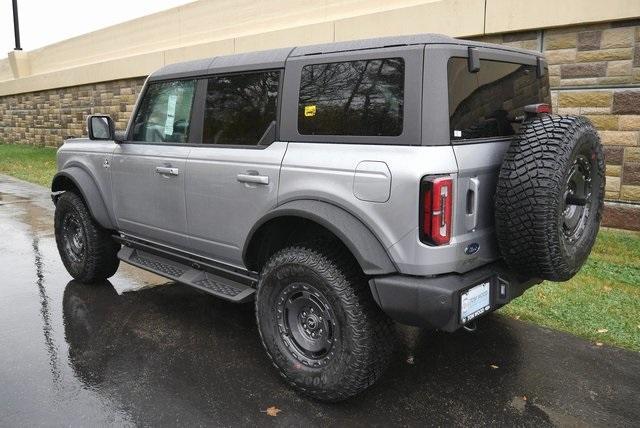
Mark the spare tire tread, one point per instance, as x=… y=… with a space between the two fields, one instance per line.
x=527 y=207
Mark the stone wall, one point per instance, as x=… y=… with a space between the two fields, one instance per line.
x=47 y=117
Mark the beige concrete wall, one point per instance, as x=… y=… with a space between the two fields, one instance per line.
x=215 y=27
x=458 y=18
x=515 y=15
x=5 y=70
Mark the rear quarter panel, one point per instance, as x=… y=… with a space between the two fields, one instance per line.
x=326 y=172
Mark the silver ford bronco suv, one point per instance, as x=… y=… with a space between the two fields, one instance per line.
x=421 y=179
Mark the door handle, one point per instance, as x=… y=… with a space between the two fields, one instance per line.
x=253 y=178
x=167 y=170
x=473 y=200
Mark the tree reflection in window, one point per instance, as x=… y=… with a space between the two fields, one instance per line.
x=239 y=108
x=352 y=98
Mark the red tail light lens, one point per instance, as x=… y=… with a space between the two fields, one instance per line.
x=537 y=108
x=543 y=108
x=436 y=210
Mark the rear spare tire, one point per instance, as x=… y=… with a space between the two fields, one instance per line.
x=549 y=197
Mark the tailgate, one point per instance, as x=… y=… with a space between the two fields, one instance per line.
x=478 y=168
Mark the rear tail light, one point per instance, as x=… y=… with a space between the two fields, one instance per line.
x=538 y=109
x=436 y=196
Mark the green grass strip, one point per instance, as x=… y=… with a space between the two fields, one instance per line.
x=601 y=303
x=29 y=163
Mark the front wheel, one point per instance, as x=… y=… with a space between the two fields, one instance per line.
x=87 y=250
x=319 y=324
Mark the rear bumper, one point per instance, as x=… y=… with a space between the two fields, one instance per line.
x=434 y=302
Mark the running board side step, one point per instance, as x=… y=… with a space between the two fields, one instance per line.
x=219 y=286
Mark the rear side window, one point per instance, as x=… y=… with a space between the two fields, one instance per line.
x=165 y=112
x=485 y=104
x=352 y=98
x=240 y=108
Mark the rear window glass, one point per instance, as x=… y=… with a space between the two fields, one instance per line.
x=352 y=98
x=486 y=104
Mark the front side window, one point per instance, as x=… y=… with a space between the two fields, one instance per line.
x=352 y=98
x=165 y=112
x=486 y=104
x=240 y=108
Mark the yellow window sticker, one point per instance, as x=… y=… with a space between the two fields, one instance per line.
x=309 y=111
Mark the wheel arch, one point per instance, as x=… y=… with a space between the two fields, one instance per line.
x=350 y=231
x=76 y=179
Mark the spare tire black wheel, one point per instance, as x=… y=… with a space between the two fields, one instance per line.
x=550 y=196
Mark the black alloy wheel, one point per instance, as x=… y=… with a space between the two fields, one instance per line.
x=73 y=237
x=578 y=197
x=307 y=324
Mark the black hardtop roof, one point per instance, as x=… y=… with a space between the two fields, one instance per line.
x=275 y=58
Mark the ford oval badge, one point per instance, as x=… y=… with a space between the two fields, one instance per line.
x=472 y=248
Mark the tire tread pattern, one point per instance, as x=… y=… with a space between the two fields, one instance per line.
x=373 y=337
x=529 y=194
x=101 y=253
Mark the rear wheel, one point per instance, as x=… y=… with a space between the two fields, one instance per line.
x=87 y=250
x=319 y=324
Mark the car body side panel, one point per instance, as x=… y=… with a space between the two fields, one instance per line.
x=221 y=210
x=88 y=190
x=473 y=221
x=90 y=157
x=326 y=172
x=148 y=204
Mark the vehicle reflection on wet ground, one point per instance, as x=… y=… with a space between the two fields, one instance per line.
x=73 y=354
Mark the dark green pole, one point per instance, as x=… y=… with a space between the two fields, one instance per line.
x=16 y=25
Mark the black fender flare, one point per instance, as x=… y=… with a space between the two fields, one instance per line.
x=363 y=244
x=89 y=191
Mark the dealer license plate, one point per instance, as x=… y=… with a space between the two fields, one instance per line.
x=475 y=302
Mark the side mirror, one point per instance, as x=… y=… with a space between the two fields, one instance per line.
x=100 y=127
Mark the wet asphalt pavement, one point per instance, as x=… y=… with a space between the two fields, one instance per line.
x=81 y=355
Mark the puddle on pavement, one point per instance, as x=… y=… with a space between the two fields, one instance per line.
x=38 y=217
x=7 y=198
